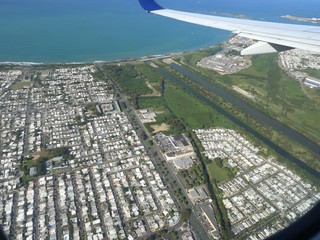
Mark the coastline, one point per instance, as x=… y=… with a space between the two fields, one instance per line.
x=130 y=59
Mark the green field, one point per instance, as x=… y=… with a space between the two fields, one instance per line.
x=176 y=108
x=284 y=98
x=313 y=72
x=150 y=75
x=192 y=111
x=154 y=103
x=132 y=83
x=217 y=173
x=21 y=85
x=194 y=57
x=278 y=95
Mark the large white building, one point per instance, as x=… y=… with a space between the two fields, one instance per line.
x=312 y=82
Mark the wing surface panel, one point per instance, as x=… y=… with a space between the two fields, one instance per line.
x=288 y=35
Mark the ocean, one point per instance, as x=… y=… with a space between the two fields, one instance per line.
x=62 y=31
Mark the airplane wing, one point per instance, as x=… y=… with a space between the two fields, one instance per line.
x=271 y=36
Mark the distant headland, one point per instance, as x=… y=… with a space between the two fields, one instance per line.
x=301 y=19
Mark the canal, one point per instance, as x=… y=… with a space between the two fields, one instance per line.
x=235 y=120
x=260 y=116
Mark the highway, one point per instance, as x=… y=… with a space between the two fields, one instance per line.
x=155 y=150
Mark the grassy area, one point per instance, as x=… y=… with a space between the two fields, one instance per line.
x=28 y=164
x=123 y=106
x=128 y=78
x=217 y=173
x=192 y=111
x=21 y=85
x=284 y=98
x=157 y=104
x=313 y=72
x=194 y=57
x=177 y=103
x=278 y=95
x=153 y=77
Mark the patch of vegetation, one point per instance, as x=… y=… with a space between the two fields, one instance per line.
x=98 y=75
x=192 y=111
x=165 y=234
x=152 y=76
x=21 y=85
x=278 y=95
x=93 y=109
x=130 y=81
x=153 y=103
x=123 y=106
x=313 y=72
x=176 y=126
x=193 y=176
x=194 y=57
x=40 y=162
x=219 y=172
x=166 y=117
x=277 y=137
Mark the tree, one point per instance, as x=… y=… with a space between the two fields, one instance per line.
x=185 y=214
x=219 y=162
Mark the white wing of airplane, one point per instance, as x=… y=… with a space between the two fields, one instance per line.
x=271 y=36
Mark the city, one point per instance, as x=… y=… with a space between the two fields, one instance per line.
x=107 y=185
x=73 y=165
x=262 y=190
x=146 y=120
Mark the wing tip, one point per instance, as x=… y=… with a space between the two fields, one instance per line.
x=150 y=5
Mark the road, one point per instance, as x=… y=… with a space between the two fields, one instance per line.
x=197 y=227
x=132 y=115
x=100 y=210
x=78 y=212
x=57 y=209
x=156 y=157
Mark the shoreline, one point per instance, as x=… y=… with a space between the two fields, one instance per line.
x=10 y=63
x=130 y=59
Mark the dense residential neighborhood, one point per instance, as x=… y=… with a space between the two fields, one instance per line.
x=262 y=190
x=106 y=186
x=77 y=162
x=297 y=62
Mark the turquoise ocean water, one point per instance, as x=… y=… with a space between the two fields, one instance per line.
x=52 y=31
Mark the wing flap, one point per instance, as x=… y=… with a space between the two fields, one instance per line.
x=283 y=41
x=264 y=47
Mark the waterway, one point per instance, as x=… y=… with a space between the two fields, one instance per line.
x=260 y=116
x=241 y=124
